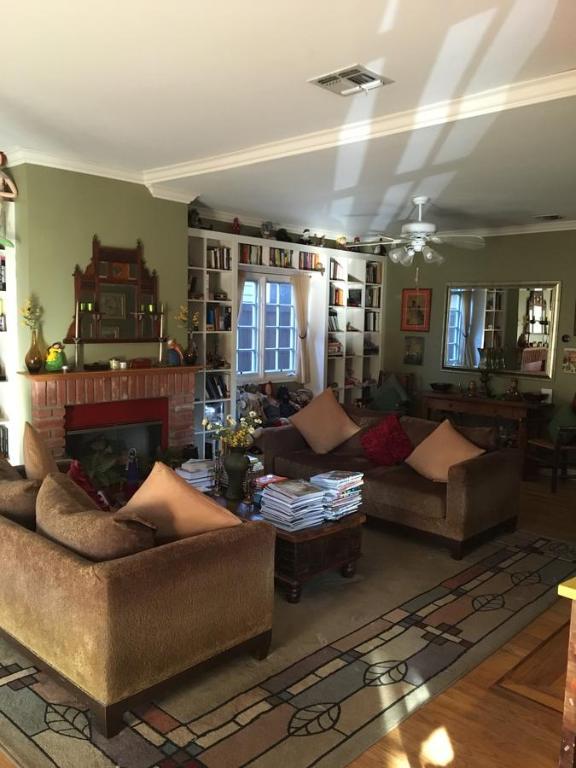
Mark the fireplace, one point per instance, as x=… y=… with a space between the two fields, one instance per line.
x=72 y=402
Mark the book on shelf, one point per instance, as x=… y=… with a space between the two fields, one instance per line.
x=336 y=271
x=216 y=387
x=218 y=318
x=354 y=297
x=336 y=297
x=250 y=254
x=373 y=296
x=333 y=320
x=280 y=257
x=334 y=347
x=371 y=321
x=308 y=260
x=218 y=258
x=4 y=448
x=2 y=272
x=373 y=272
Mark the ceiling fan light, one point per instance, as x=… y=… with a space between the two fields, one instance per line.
x=395 y=255
x=407 y=257
x=431 y=256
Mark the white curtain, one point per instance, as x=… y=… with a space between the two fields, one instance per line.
x=301 y=285
x=241 y=282
x=468 y=346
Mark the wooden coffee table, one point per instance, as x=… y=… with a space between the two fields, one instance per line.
x=304 y=554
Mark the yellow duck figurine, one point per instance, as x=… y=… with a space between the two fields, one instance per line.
x=55 y=357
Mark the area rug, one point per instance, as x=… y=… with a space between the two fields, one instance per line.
x=324 y=709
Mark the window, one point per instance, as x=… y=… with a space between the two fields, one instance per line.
x=267 y=338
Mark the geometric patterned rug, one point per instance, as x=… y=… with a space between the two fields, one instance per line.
x=325 y=709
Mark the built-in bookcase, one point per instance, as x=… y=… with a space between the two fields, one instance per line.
x=11 y=421
x=345 y=311
x=355 y=304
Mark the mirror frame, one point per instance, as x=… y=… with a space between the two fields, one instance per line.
x=505 y=284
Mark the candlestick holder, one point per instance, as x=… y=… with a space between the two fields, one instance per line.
x=78 y=362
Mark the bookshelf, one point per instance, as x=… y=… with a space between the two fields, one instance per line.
x=494 y=318
x=212 y=311
x=355 y=305
x=10 y=397
x=346 y=304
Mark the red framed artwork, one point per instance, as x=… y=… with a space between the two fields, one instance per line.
x=416 y=303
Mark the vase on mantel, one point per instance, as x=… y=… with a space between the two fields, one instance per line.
x=236 y=463
x=33 y=358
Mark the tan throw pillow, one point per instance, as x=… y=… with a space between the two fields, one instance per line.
x=174 y=507
x=324 y=424
x=66 y=514
x=7 y=471
x=38 y=460
x=17 y=495
x=434 y=456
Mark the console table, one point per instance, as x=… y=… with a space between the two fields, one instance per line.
x=529 y=417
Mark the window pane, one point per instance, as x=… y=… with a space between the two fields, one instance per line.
x=271 y=316
x=249 y=293
x=285 y=293
x=271 y=293
x=270 y=338
x=285 y=316
x=284 y=338
x=247 y=315
x=284 y=359
x=245 y=338
x=270 y=360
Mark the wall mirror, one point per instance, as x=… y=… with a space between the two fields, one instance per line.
x=116 y=297
x=508 y=328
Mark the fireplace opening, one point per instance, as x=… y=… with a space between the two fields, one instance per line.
x=141 y=440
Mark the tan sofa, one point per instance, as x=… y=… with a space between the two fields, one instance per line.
x=119 y=631
x=481 y=494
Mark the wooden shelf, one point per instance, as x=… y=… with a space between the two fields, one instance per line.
x=74 y=375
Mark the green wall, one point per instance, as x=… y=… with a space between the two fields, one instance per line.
x=58 y=213
x=537 y=257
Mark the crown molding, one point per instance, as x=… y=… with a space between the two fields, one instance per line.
x=558 y=86
x=515 y=229
x=21 y=155
x=161 y=192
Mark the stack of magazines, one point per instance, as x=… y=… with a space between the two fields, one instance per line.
x=198 y=473
x=293 y=505
x=342 y=492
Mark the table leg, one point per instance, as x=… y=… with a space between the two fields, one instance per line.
x=294 y=593
x=348 y=570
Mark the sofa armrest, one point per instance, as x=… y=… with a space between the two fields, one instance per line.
x=174 y=606
x=278 y=441
x=483 y=492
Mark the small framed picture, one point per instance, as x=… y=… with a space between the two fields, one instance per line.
x=569 y=360
x=416 y=304
x=414 y=350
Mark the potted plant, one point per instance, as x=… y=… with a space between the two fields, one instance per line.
x=31 y=315
x=236 y=437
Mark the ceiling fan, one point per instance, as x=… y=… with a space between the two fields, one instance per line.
x=418 y=237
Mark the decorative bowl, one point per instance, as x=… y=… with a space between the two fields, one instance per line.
x=441 y=386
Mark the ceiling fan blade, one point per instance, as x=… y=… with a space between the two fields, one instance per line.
x=382 y=241
x=471 y=242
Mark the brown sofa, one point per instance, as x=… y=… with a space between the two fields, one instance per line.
x=481 y=494
x=119 y=631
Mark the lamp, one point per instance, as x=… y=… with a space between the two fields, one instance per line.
x=431 y=256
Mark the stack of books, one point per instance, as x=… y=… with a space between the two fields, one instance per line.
x=293 y=505
x=260 y=484
x=198 y=473
x=342 y=492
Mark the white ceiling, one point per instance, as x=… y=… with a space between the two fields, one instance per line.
x=220 y=91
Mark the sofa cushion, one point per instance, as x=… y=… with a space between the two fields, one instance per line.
x=434 y=456
x=386 y=443
x=38 y=460
x=483 y=437
x=176 y=509
x=66 y=514
x=303 y=464
x=18 y=500
x=417 y=429
x=324 y=424
x=403 y=489
x=7 y=471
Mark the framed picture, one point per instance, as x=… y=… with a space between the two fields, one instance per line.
x=416 y=303
x=569 y=360
x=414 y=350
x=113 y=305
x=110 y=332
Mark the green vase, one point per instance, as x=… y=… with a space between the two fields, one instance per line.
x=236 y=464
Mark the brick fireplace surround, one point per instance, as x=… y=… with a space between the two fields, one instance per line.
x=53 y=392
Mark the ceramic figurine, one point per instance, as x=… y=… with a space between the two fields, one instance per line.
x=55 y=357
x=174 y=353
x=236 y=226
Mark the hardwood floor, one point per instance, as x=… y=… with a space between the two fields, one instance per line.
x=480 y=722
x=505 y=713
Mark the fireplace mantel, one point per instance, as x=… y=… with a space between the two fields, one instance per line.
x=52 y=393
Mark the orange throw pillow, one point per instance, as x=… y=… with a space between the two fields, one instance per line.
x=174 y=507
x=324 y=424
x=38 y=461
x=434 y=456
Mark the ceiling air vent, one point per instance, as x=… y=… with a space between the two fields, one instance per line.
x=351 y=80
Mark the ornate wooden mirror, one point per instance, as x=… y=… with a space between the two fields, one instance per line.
x=115 y=297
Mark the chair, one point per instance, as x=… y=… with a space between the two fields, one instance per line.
x=558 y=454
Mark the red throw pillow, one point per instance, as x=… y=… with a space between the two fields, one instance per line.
x=79 y=476
x=387 y=443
